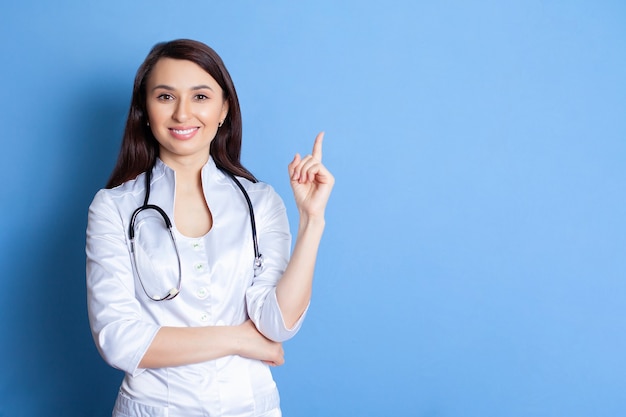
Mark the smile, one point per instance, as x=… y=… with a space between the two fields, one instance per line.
x=185 y=131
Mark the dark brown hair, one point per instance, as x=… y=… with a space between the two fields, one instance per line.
x=140 y=149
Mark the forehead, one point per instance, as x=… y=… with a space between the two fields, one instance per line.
x=180 y=74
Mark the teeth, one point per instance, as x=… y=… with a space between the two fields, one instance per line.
x=183 y=132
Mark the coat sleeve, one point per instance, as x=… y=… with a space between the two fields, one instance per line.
x=275 y=246
x=115 y=314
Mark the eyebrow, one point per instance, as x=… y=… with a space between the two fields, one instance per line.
x=194 y=88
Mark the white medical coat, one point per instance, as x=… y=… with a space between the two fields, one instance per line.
x=218 y=289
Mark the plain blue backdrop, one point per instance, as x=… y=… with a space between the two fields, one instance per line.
x=474 y=262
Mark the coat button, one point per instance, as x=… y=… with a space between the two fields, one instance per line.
x=202 y=292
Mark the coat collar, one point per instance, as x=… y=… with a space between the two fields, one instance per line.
x=220 y=193
x=209 y=171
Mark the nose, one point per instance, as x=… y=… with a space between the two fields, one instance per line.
x=182 y=111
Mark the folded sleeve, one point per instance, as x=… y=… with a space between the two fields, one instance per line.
x=275 y=245
x=120 y=332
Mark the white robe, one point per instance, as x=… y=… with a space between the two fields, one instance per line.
x=218 y=289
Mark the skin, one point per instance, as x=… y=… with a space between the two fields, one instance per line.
x=182 y=97
x=185 y=107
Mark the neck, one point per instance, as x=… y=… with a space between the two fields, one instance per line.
x=187 y=169
x=188 y=178
x=184 y=163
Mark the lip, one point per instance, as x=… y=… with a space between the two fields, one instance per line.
x=183 y=132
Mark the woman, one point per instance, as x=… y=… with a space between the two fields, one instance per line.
x=196 y=317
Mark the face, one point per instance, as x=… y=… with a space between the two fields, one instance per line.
x=185 y=107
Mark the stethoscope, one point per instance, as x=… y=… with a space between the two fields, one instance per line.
x=174 y=291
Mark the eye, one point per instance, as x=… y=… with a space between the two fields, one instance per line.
x=201 y=97
x=165 y=97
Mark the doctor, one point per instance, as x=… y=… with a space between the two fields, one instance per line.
x=192 y=319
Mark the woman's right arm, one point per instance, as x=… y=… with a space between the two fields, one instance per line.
x=174 y=346
x=123 y=338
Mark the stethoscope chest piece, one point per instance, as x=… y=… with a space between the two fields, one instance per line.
x=258 y=265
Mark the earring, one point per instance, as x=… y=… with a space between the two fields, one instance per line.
x=220 y=123
x=148 y=123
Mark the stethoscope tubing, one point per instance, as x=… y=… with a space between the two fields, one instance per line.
x=258 y=258
x=173 y=292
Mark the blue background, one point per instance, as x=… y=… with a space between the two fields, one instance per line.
x=474 y=258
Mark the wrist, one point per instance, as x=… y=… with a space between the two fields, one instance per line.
x=308 y=221
x=238 y=339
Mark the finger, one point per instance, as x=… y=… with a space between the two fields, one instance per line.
x=306 y=168
x=316 y=172
x=300 y=167
x=311 y=172
x=317 y=146
x=292 y=167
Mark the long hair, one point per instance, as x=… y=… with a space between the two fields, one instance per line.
x=140 y=148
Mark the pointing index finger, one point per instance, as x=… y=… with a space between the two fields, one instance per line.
x=317 y=146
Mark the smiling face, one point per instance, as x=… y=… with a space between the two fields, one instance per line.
x=185 y=107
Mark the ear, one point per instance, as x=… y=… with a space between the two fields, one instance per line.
x=224 y=112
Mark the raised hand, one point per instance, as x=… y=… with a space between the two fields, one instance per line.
x=311 y=182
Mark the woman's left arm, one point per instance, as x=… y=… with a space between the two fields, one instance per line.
x=311 y=183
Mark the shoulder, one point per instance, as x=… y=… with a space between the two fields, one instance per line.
x=255 y=187
x=263 y=196
x=259 y=189
x=115 y=198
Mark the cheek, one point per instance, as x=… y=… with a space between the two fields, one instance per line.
x=153 y=113
x=211 y=113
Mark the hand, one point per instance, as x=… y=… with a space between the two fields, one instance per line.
x=311 y=182
x=253 y=345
